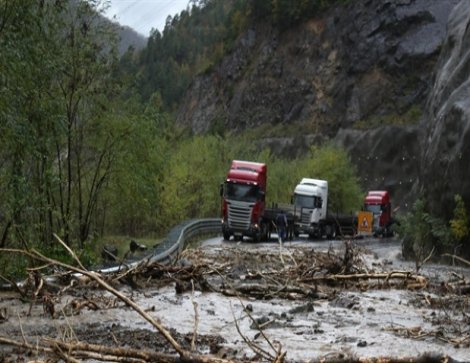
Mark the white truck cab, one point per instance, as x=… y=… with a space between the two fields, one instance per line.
x=311 y=197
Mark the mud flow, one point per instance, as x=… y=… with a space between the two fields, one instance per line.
x=303 y=301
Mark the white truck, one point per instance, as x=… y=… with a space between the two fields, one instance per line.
x=310 y=201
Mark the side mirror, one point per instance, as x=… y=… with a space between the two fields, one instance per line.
x=319 y=203
x=221 y=189
x=262 y=195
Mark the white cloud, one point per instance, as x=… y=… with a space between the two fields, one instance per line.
x=143 y=15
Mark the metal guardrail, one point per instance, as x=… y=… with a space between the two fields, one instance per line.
x=168 y=249
x=174 y=243
x=180 y=235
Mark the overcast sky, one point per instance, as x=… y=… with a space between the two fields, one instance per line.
x=143 y=15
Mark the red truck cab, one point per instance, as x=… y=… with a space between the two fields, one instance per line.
x=378 y=203
x=243 y=200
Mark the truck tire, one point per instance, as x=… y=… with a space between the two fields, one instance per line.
x=330 y=231
x=264 y=233
x=226 y=235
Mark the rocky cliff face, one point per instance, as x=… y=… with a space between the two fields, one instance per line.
x=445 y=138
x=353 y=75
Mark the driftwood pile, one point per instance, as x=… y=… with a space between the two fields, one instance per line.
x=295 y=274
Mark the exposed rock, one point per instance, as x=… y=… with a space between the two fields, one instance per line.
x=368 y=58
x=446 y=138
x=386 y=158
x=291 y=147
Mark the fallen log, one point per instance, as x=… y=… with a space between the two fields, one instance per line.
x=103 y=353
x=386 y=276
x=94 y=276
x=458 y=258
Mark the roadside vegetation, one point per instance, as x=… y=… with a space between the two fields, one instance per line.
x=428 y=237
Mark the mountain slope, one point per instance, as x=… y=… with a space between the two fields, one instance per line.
x=356 y=74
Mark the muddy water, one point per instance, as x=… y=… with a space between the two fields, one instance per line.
x=382 y=322
x=353 y=323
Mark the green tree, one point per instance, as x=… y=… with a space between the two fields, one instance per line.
x=27 y=111
x=459 y=223
x=424 y=234
x=85 y=83
x=332 y=163
x=132 y=201
x=282 y=175
x=190 y=43
x=57 y=146
x=190 y=184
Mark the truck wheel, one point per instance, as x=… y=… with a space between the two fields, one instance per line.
x=264 y=233
x=226 y=235
x=330 y=230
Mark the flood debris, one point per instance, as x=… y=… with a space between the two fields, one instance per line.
x=298 y=274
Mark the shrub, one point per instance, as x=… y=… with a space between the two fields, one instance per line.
x=459 y=223
x=423 y=232
x=459 y=227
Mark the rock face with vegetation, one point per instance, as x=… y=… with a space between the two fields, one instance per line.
x=358 y=74
x=446 y=132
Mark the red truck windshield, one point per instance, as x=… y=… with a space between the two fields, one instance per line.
x=241 y=192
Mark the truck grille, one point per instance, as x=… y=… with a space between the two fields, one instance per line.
x=376 y=222
x=239 y=215
x=305 y=216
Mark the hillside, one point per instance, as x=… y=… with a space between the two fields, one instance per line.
x=128 y=37
x=359 y=75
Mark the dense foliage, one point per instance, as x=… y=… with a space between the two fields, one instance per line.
x=64 y=130
x=426 y=235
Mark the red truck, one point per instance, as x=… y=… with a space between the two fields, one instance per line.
x=244 y=211
x=378 y=203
